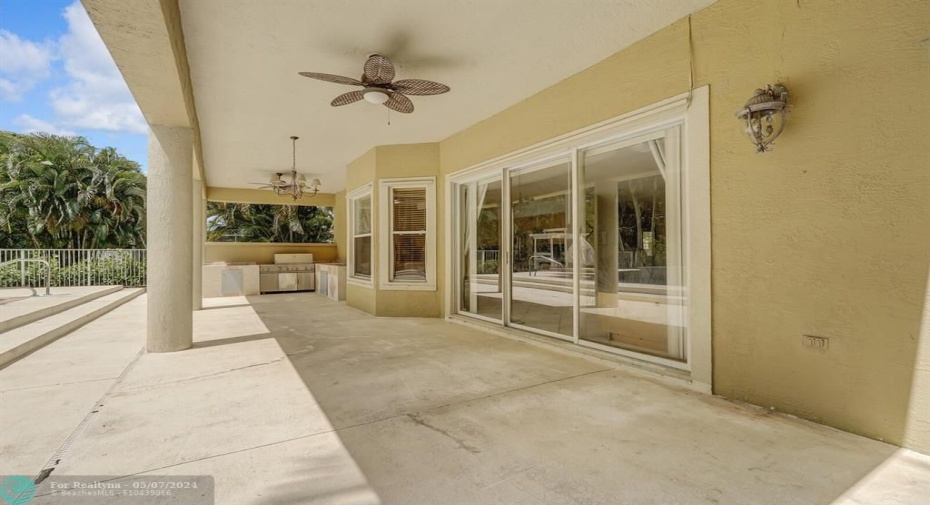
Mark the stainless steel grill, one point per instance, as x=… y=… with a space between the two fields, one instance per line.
x=290 y=272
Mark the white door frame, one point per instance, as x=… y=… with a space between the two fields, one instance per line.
x=690 y=111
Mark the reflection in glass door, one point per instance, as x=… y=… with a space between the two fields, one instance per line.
x=623 y=289
x=480 y=284
x=540 y=226
x=632 y=294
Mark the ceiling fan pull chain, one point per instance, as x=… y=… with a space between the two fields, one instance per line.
x=389 y=117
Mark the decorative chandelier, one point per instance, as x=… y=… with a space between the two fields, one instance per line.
x=297 y=186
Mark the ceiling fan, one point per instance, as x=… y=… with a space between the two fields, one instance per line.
x=378 y=87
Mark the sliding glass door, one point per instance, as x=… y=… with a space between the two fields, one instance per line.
x=623 y=288
x=632 y=296
x=480 y=285
x=541 y=275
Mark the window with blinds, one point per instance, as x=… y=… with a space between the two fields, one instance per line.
x=361 y=237
x=408 y=234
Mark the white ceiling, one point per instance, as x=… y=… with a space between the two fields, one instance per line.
x=245 y=55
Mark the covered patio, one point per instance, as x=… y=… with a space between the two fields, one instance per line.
x=334 y=406
x=569 y=279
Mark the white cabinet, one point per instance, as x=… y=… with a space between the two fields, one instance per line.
x=229 y=280
x=331 y=280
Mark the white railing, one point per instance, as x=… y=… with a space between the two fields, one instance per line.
x=487 y=254
x=73 y=267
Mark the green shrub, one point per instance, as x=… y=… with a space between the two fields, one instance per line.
x=105 y=268
x=487 y=267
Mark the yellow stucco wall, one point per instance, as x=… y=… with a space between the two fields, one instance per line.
x=361 y=171
x=358 y=173
x=261 y=253
x=389 y=162
x=339 y=225
x=825 y=235
x=409 y=160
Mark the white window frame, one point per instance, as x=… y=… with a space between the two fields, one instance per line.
x=386 y=250
x=351 y=197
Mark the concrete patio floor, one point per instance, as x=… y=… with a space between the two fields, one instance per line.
x=294 y=398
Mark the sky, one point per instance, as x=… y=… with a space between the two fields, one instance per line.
x=56 y=76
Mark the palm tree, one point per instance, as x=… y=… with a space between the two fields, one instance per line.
x=242 y=222
x=61 y=192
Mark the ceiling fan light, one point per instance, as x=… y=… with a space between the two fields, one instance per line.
x=376 y=97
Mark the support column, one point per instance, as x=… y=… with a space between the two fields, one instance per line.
x=170 y=239
x=608 y=241
x=197 y=219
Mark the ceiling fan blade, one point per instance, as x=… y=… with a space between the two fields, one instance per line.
x=400 y=103
x=420 y=87
x=347 y=98
x=338 y=79
x=378 y=70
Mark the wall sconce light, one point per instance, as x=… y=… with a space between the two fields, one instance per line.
x=764 y=115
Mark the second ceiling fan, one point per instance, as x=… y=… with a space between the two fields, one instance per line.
x=379 y=87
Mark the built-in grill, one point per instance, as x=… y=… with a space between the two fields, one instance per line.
x=290 y=272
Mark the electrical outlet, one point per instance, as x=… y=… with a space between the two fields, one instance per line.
x=814 y=342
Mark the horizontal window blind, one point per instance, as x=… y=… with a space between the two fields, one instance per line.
x=408 y=234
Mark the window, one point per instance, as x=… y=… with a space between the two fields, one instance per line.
x=254 y=222
x=360 y=257
x=408 y=225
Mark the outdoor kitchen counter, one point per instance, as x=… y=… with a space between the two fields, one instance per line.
x=331 y=280
x=230 y=279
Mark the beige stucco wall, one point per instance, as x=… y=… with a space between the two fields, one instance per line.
x=260 y=253
x=339 y=225
x=389 y=162
x=825 y=235
x=409 y=160
x=358 y=173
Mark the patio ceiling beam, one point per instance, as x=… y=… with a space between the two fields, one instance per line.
x=237 y=195
x=146 y=41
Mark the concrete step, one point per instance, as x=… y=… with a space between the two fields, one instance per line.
x=18 y=342
x=33 y=308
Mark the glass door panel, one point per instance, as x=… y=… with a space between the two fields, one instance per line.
x=541 y=278
x=631 y=290
x=480 y=287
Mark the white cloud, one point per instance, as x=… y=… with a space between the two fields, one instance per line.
x=31 y=124
x=24 y=64
x=96 y=97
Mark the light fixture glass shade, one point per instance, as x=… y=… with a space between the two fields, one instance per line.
x=763 y=116
x=762 y=127
x=301 y=179
x=275 y=179
x=315 y=183
x=376 y=97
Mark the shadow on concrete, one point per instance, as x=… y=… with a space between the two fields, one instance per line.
x=435 y=412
